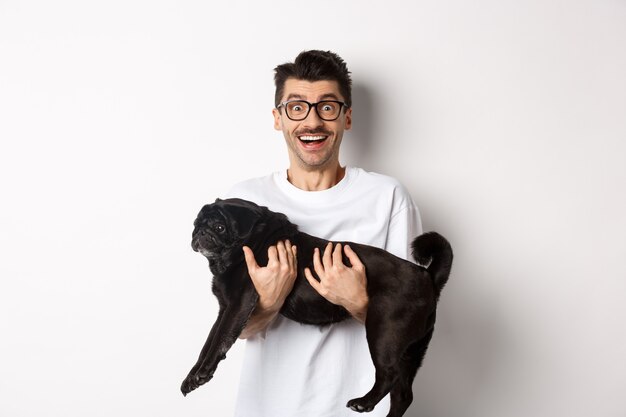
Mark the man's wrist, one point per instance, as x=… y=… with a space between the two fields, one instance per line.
x=269 y=307
x=359 y=309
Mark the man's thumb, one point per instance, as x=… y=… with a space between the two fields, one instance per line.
x=250 y=261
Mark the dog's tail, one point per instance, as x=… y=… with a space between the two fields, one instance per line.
x=433 y=250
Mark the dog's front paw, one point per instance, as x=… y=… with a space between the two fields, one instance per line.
x=358 y=405
x=189 y=384
x=193 y=381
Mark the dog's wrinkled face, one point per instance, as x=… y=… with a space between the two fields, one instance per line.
x=221 y=229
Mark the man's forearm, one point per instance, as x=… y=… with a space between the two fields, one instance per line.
x=259 y=320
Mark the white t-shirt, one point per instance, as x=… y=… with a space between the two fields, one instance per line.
x=298 y=370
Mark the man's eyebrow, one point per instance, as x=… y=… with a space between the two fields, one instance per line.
x=294 y=96
x=329 y=95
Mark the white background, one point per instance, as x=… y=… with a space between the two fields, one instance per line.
x=119 y=119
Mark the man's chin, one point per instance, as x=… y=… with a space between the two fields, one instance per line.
x=314 y=158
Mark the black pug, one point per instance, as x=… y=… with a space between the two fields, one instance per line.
x=402 y=295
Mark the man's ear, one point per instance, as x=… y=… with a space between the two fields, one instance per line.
x=278 y=125
x=348 y=124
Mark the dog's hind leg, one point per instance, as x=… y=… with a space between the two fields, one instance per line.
x=391 y=327
x=385 y=360
x=386 y=340
x=402 y=391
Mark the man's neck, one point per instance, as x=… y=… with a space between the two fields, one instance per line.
x=315 y=180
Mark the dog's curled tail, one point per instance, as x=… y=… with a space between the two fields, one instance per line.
x=433 y=250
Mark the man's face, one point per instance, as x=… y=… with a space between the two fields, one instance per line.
x=312 y=143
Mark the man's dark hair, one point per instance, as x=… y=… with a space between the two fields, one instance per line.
x=315 y=66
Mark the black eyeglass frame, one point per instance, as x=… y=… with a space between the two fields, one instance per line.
x=312 y=105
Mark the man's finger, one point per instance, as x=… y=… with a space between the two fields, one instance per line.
x=317 y=263
x=352 y=256
x=272 y=255
x=327 y=259
x=289 y=251
x=337 y=258
x=294 y=255
x=250 y=260
x=282 y=253
x=309 y=277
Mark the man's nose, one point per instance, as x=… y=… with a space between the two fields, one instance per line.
x=313 y=119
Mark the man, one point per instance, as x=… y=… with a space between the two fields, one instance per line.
x=291 y=369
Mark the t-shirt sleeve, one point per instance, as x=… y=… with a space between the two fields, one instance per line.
x=246 y=190
x=404 y=226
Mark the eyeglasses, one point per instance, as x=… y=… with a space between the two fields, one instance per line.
x=327 y=110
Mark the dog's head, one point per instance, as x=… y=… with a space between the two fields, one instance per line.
x=222 y=228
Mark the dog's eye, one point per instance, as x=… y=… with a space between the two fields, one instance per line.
x=220 y=228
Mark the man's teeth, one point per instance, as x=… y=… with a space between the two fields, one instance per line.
x=311 y=138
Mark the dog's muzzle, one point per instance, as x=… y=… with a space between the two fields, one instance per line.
x=203 y=242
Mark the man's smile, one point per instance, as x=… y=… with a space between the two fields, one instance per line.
x=312 y=142
x=312 y=138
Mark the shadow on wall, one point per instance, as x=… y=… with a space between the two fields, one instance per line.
x=462 y=359
x=467 y=346
x=472 y=344
x=359 y=143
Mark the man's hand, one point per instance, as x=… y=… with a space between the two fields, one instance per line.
x=340 y=284
x=273 y=282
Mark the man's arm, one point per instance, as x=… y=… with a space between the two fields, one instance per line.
x=273 y=283
x=341 y=284
x=347 y=286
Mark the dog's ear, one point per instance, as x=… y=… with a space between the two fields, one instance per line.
x=244 y=218
x=217 y=200
x=242 y=214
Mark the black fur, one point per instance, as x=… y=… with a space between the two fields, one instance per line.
x=402 y=296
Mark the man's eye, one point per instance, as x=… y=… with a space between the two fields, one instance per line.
x=296 y=108
x=327 y=107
